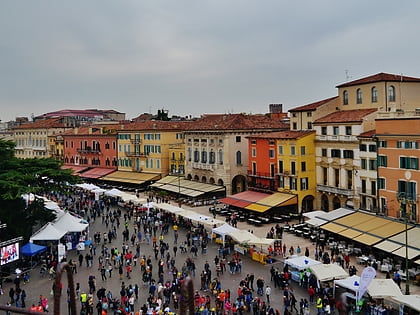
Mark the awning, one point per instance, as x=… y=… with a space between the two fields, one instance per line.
x=130 y=177
x=257 y=207
x=327 y=272
x=75 y=168
x=413 y=235
x=350 y=233
x=367 y=239
x=335 y=214
x=96 y=172
x=353 y=219
x=388 y=229
x=332 y=227
x=411 y=301
x=371 y=224
x=178 y=184
x=387 y=246
x=412 y=253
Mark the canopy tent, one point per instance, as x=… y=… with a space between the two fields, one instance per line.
x=169 y=208
x=48 y=233
x=224 y=230
x=383 y=288
x=31 y=249
x=242 y=237
x=351 y=283
x=301 y=262
x=327 y=272
x=314 y=214
x=411 y=301
x=126 y=197
x=87 y=186
x=69 y=223
x=51 y=205
x=114 y=192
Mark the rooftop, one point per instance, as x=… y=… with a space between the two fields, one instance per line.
x=312 y=106
x=380 y=77
x=346 y=116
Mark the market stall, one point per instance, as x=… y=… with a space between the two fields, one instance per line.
x=328 y=272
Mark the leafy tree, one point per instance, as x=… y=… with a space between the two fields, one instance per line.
x=23 y=176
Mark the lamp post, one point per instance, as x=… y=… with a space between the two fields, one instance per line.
x=404 y=211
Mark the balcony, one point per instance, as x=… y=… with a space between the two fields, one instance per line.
x=260 y=175
x=135 y=141
x=202 y=166
x=343 y=138
x=137 y=154
x=335 y=190
x=88 y=150
x=406 y=197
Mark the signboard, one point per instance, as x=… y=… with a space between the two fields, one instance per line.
x=365 y=279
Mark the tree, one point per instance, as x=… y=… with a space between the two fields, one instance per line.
x=24 y=176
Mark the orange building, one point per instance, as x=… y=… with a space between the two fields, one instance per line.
x=398 y=138
x=91 y=151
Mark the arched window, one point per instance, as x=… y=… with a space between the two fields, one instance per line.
x=204 y=156
x=359 y=96
x=212 y=158
x=196 y=156
x=374 y=94
x=220 y=156
x=391 y=93
x=345 y=97
x=238 y=158
x=189 y=154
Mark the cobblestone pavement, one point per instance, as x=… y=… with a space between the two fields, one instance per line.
x=42 y=286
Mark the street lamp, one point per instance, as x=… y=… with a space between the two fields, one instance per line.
x=405 y=204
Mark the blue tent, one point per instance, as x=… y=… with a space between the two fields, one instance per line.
x=32 y=249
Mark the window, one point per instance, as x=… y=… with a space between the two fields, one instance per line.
x=362 y=147
x=280 y=149
x=292 y=150
x=359 y=96
x=238 y=158
x=293 y=183
x=391 y=93
x=409 y=163
x=348 y=154
x=382 y=160
x=271 y=142
x=212 y=157
x=294 y=126
x=304 y=183
x=372 y=147
x=303 y=166
x=325 y=176
x=309 y=114
x=373 y=188
x=381 y=183
x=337 y=177
x=238 y=138
x=363 y=164
x=345 y=97
x=372 y=165
x=271 y=153
x=349 y=179
x=324 y=152
x=220 y=156
x=309 y=125
x=281 y=169
x=196 y=156
x=189 y=153
x=253 y=141
x=204 y=156
x=293 y=168
x=254 y=152
x=335 y=131
x=281 y=181
x=335 y=153
x=302 y=150
x=363 y=186
x=407 y=190
x=382 y=144
x=294 y=115
x=324 y=131
x=374 y=94
x=408 y=144
x=348 y=130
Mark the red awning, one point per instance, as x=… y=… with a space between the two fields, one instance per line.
x=243 y=199
x=75 y=168
x=97 y=172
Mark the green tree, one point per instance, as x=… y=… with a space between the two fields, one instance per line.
x=24 y=176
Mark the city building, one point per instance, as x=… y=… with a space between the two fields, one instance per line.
x=217 y=148
x=337 y=157
x=398 y=138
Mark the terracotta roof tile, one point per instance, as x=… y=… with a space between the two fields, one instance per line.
x=236 y=122
x=379 y=78
x=312 y=106
x=367 y=134
x=43 y=124
x=157 y=125
x=287 y=134
x=345 y=116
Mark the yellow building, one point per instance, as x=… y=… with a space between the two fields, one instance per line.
x=296 y=166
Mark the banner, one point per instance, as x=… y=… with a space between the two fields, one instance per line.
x=365 y=279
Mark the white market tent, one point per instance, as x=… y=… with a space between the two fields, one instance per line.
x=242 y=237
x=87 y=186
x=114 y=192
x=224 y=230
x=383 y=288
x=69 y=223
x=313 y=214
x=327 y=272
x=168 y=207
x=301 y=262
x=351 y=283
x=48 y=233
x=411 y=301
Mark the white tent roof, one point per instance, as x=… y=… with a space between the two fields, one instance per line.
x=327 y=272
x=301 y=262
x=412 y=301
x=168 y=207
x=51 y=205
x=382 y=288
x=69 y=223
x=87 y=186
x=314 y=214
x=48 y=233
x=224 y=229
x=242 y=236
x=114 y=192
x=351 y=283
x=335 y=214
x=316 y=222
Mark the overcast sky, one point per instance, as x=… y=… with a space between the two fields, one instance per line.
x=194 y=57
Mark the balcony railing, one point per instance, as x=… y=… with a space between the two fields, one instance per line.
x=202 y=166
x=406 y=197
x=260 y=174
x=335 y=190
x=88 y=151
x=346 y=138
x=135 y=141
x=136 y=154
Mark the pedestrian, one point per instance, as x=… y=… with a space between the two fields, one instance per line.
x=267 y=293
